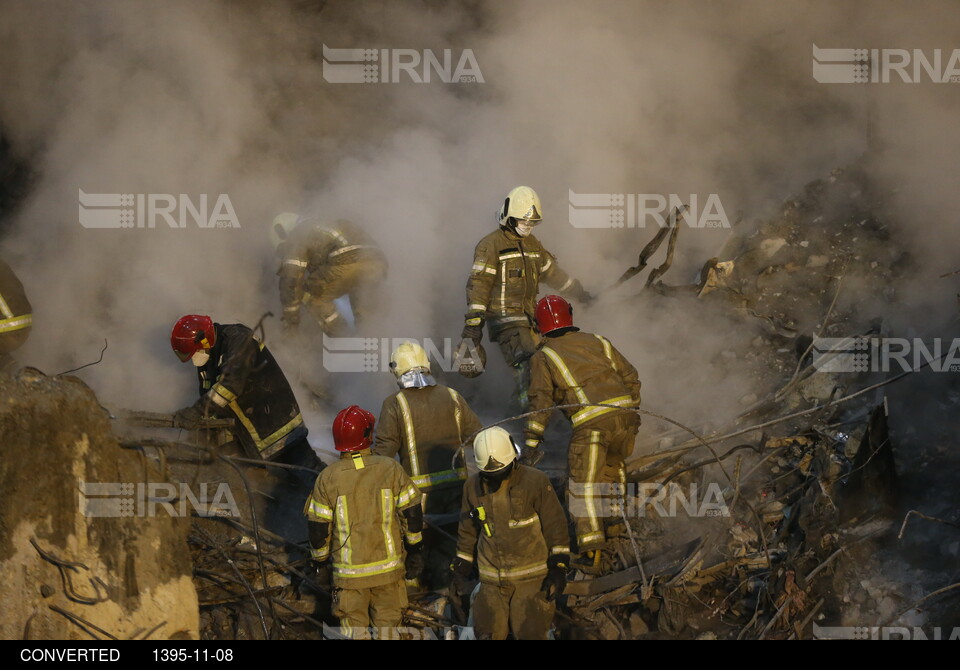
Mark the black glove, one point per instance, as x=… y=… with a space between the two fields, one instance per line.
x=587 y=298
x=314 y=574
x=414 y=562
x=461 y=575
x=322 y=572
x=187 y=418
x=530 y=455
x=556 y=580
x=474 y=333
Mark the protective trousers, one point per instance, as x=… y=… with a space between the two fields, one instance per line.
x=512 y=607
x=379 y=606
x=596 y=457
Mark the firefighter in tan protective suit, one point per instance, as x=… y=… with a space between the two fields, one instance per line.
x=574 y=367
x=508 y=266
x=320 y=263
x=425 y=424
x=365 y=528
x=514 y=532
x=16 y=317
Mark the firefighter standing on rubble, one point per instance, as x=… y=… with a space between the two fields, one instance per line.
x=426 y=423
x=240 y=378
x=514 y=533
x=16 y=317
x=355 y=515
x=321 y=263
x=572 y=367
x=508 y=265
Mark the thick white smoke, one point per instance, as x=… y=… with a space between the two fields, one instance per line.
x=600 y=97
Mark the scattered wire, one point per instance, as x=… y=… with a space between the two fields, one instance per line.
x=88 y=364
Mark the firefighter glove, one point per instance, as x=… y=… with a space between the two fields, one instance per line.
x=187 y=418
x=556 y=580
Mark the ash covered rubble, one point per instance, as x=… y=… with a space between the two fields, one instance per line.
x=810 y=474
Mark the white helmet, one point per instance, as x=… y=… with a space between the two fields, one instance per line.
x=282 y=226
x=411 y=366
x=494 y=449
x=523 y=204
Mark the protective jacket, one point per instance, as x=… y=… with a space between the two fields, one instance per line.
x=505 y=278
x=244 y=379
x=16 y=316
x=578 y=367
x=313 y=249
x=363 y=496
x=426 y=426
x=510 y=533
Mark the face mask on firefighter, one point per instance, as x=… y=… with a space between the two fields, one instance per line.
x=525 y=226
x=200 y=358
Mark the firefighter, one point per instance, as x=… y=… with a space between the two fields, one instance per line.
x=426 y=423
x=16 y=317
x=514 y=533
x=356 y=514
x=508 y=265
x=239 y=376
x=321 y=263
x=575 y=367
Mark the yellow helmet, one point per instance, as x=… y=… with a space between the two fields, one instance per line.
x=494 y=449
x=408 y=356
x=521 y=203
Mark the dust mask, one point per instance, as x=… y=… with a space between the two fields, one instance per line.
x=200 y=358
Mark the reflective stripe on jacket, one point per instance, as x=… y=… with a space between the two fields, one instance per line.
x=362 y=496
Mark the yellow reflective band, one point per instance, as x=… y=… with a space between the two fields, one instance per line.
x=475 y=307
x=319 y=510
x=351 y=247
x=607 y=350
x=457 y=413
x=529 y=521
x=343 y=530
x=442 y=477
x=480 y=267
x=272 y=443
x=5 y=309
x=535 y=427
x=217 y=399
x=559 y=549
x=515 y=254
x=589 y=537
x=292 y=308
x=588 y=413
x=503 y=288
x=386 y=521
x=413 y=538
x=367 y=569
x=358 y=462
x=223 y=391
x=532 y=443
x=410 y=443
x=589 y=487
x=320 y=554
x=407 y=496
x=565 y=373
x=467 y=557
x=296 y=261
x=16 y=323
x=532 y=570
x=474 y=322
x=533 y=254
x=566 y=285
x=490 y=271
x=546 y=266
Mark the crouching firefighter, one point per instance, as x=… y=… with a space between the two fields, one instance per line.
x=425 y=423
x=356 y=514
x=514 y=533
x=239 y=378
x=570 y=368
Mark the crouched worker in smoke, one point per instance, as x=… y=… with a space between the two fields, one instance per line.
x=512 y=528
x=359 y=508
x=239 y=378
x=425 y=423
x=322 y=262
x=16 y=317
x=575 y=368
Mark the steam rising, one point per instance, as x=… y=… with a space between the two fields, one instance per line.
x=600 y=97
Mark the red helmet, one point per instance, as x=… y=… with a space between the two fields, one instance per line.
x=192 y=333
x=353 y=429
x=553 y=312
